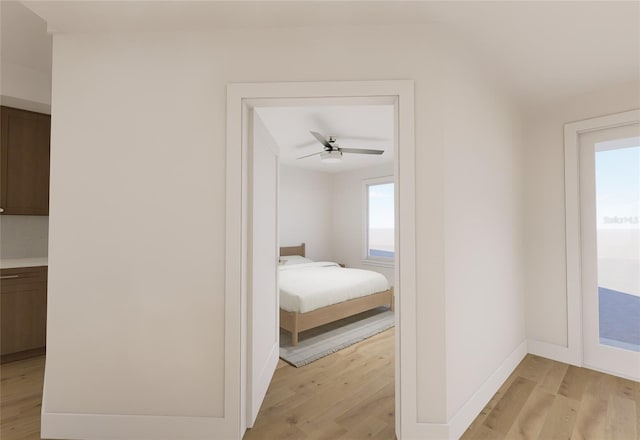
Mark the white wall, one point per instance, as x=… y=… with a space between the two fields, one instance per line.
x=23 y=236
x=136 y=256
x=483 y=230
x=347 y=217
x=546 y=289
x=136 y=308
x=306 y=211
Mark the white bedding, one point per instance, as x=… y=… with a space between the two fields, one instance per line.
x=309 y=286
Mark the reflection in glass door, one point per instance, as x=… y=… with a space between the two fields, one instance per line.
x=610 y=242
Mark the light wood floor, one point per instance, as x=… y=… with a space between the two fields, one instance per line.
x=544 y=399
x=350 y=395
x=21 y=399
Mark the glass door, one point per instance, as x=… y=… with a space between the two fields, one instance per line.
x=610 y=245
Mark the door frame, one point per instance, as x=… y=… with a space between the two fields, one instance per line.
x=241 y=97
x=572 y=132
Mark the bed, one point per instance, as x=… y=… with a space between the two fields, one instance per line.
x=316 y=293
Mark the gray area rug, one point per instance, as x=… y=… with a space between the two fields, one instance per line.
x=321 y=341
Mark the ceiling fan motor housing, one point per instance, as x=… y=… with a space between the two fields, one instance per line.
x=332 y=156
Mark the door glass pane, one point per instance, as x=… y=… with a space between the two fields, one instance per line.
x=617 y=166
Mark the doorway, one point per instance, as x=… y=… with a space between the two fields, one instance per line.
x=344 y=311
x=609 y=179
x=242 y=99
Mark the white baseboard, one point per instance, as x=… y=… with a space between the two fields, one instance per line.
x=554 y=352
x=83 y=426
x=425 y=431
x=459 y=423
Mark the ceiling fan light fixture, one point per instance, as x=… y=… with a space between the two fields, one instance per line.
x=331 y=156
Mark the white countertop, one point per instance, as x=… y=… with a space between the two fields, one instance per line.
x=13 y=263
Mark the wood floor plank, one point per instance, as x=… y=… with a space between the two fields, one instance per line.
x=358 y=394
x=633 y=389
x=574 y=382
x=376 y=404
x=600 y=386
x=21 y=399
x=287 y=430
x=534 y=368
x=532 y=416
x=388 y=433
x=329 y=431
x=506 y=411
x=621 y=419
x=591 y=420
x=318 y=413
x=553 y=379
x=366 y=428
x=353 y=384
x=561 y=419
x=479 y=431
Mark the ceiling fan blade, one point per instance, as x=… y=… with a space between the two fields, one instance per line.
x=321 y=139
x=361 y=151
x=309 y=155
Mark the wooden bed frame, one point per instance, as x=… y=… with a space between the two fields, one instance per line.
x=295 y=322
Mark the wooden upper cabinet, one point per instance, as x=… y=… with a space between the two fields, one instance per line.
x=25 y=138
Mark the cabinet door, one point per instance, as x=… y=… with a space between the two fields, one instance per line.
x=23 y=309
x=25 y=162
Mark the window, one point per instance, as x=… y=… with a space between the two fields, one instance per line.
x=379 y=228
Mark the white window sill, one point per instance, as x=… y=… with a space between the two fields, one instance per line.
x=380 y=263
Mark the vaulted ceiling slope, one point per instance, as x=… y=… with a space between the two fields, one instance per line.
x=26 y=42
x=540 y=50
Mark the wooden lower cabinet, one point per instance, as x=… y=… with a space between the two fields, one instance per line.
x=23 y=312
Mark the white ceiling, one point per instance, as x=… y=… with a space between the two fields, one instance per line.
x=540 y=50
x=547 y=50
x=354 y=126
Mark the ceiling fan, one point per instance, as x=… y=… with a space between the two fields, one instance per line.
x=332 y=152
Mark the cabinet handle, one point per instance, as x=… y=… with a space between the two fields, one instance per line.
x=8 y=277
x=1 y=210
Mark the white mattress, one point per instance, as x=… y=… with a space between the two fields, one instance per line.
x=309 y=286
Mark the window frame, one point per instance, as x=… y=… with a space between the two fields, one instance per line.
x=366 y=258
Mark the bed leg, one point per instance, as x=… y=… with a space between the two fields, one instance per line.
x=393 y=300
x=294 y=330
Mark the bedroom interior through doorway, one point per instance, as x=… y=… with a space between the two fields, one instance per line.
x=282 y=132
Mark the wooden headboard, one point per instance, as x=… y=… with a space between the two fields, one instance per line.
x=292 y=250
